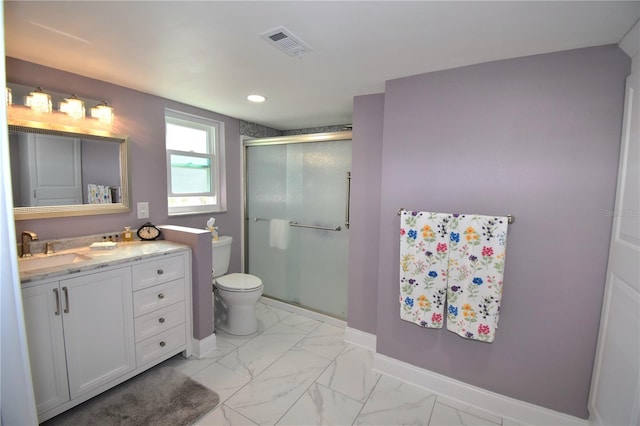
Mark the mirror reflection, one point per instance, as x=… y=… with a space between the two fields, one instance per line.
x=57 y=173
x=51 y=170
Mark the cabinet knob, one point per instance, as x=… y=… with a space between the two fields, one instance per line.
x=161 y=296
x=162 y=344
x=160 y=271
x=161 y=320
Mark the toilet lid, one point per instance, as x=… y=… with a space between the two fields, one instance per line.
x=238 y=282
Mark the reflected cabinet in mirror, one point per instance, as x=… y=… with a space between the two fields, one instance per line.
x=60 y=173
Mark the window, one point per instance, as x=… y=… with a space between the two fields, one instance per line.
x=195 y=164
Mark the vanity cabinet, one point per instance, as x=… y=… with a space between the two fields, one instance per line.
x=88 y=333
x=80 y=333
x=43 y=322
x=159 y=308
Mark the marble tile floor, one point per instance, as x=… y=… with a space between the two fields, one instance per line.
x=299 y=371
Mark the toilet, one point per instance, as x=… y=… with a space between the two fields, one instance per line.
x=234 y=295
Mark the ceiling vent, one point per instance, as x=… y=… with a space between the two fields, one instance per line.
x=284 y=40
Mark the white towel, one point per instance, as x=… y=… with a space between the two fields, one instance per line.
x=424 y=255
x=278 y=230
x=476 y=264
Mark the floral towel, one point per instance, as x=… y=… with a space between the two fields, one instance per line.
x=98 y=194
x=424 y=254
x=476 y=264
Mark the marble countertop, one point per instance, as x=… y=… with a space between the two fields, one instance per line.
x=97 y=259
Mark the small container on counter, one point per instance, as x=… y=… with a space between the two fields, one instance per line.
x=127 y=235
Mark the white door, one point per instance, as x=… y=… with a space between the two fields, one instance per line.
x=615 y=388
x=47 y=183
x=43 y=322
x=98 y=328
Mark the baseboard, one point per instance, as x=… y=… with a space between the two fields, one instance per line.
x=201 y=348
x=360 y=338
x=494 y=403
x=303 y=311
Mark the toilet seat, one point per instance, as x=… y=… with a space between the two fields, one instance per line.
x=238 y=282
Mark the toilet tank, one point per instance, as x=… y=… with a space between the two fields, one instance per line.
x=221 y=255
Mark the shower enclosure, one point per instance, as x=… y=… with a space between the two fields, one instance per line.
x=297 y=208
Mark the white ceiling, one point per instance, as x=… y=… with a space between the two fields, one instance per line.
x=209 y=53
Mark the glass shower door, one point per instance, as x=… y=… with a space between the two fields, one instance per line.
x=296 y=200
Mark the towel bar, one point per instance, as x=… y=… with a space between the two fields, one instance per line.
x=325 y=228
x=510 y=218
x=296 y=224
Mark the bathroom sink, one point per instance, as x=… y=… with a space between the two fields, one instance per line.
x=49 y=261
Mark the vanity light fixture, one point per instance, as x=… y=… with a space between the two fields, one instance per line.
x=73 y=107
x=71 y=115
x=39 y=101
x=103 y=112
x=256 y=98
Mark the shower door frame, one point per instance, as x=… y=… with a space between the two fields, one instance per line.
x=281 y=140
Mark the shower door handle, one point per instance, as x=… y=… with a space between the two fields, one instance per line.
x=324 y=228
x=348 y=204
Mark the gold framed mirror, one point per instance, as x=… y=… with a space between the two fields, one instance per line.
x=62 y=171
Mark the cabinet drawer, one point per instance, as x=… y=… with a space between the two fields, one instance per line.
x=160 y=344
x=159 y=321
x=160 y=296
x=161 y=270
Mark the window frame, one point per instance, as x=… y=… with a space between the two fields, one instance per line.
x=216 y=142
x=212 y=183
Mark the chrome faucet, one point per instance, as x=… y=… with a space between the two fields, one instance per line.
x=27 y=237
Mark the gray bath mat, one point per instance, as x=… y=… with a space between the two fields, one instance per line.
x=160 y=396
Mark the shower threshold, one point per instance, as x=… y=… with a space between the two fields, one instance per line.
x=305 y=311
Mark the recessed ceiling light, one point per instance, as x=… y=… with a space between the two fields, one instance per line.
x=256 y=98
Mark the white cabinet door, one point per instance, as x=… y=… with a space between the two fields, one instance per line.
x=43 y=321
x=98 y=328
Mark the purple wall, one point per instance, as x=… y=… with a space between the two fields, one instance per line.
x=200 y=242
x=537 y=137
x=366 y=146
x=141 y=117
